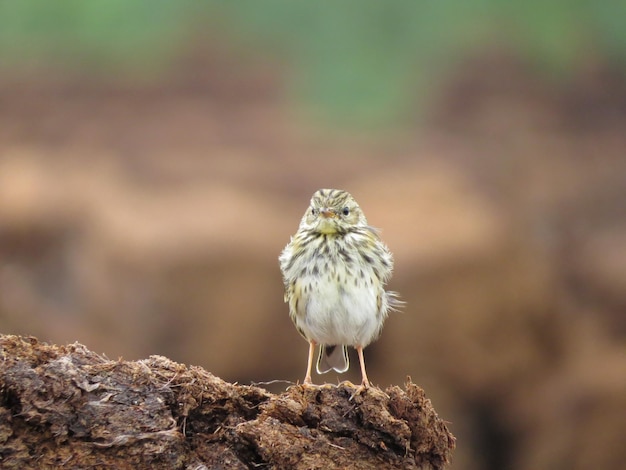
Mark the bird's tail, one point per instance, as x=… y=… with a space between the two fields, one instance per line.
x=333 y=357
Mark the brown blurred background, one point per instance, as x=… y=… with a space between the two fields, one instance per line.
x=155 y=157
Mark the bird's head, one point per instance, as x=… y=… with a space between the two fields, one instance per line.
x=332 y=211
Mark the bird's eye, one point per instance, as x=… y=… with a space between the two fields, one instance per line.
x=345 y=211
x=313 y=211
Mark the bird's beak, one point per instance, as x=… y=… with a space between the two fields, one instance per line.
x=328 y=213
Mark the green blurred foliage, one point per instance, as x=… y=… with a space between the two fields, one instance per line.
x=359 y=61
x=103 y=36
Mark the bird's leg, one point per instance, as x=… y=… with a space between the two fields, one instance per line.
x=364 y=383
x=309 y=365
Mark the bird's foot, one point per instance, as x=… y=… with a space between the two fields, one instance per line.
x=308 y=383
x=359 y=389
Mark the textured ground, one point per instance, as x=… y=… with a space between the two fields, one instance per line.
x=65 y=406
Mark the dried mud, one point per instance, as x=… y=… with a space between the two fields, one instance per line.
x=65 y=406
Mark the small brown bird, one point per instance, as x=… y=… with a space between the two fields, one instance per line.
x=334 y=269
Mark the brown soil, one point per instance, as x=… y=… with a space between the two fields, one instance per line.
x=65 y=406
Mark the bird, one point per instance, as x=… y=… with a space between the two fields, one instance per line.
x=334 y=272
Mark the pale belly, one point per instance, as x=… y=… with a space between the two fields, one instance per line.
x=333 y=315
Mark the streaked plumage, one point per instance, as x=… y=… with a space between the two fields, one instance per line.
x=334 y=270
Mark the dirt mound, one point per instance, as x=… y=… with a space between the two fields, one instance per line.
x=65 y=406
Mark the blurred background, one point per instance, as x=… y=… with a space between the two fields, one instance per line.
x=156 y=156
